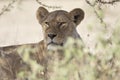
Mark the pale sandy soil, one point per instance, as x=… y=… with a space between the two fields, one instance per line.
x=20 y=26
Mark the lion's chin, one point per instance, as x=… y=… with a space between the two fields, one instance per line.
x=53 y=46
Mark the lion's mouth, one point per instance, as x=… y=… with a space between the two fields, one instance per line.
x=55 y=44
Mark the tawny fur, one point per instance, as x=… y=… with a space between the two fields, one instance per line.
x=60 y=24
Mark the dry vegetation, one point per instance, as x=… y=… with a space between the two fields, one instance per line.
x=74 y=61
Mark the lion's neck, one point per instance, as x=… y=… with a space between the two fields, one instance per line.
x=76 y=35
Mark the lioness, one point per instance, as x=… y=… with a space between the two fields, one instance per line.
x=57 y=27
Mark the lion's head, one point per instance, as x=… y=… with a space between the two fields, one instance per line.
x=59 y=25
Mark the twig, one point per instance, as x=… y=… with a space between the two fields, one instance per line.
x=100 y=18
x=108 y=2
x=7 y=8
x=95 y=11
x=91 y=3
x=54 y=7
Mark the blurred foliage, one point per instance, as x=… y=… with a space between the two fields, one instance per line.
x=75 y=62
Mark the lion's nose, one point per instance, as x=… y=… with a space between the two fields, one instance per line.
x=51 y=36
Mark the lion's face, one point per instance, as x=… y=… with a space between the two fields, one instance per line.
x=59 y=25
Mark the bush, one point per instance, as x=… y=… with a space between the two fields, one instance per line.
x=75 y=62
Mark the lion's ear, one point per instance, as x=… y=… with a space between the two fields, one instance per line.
x=77 y=15
x=41 y=14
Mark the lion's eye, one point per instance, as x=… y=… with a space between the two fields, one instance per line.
x=47 y=24
x=61 y=23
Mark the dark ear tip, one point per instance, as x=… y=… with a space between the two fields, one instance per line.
x=79 y=11
x=41 y=13
x=77 y=15
x=40 y=8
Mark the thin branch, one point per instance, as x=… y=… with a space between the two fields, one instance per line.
x=44 y=5
x=108 y=2
x=88 y=2
x=7 y=8
x=95 y=11
x=100 y=18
